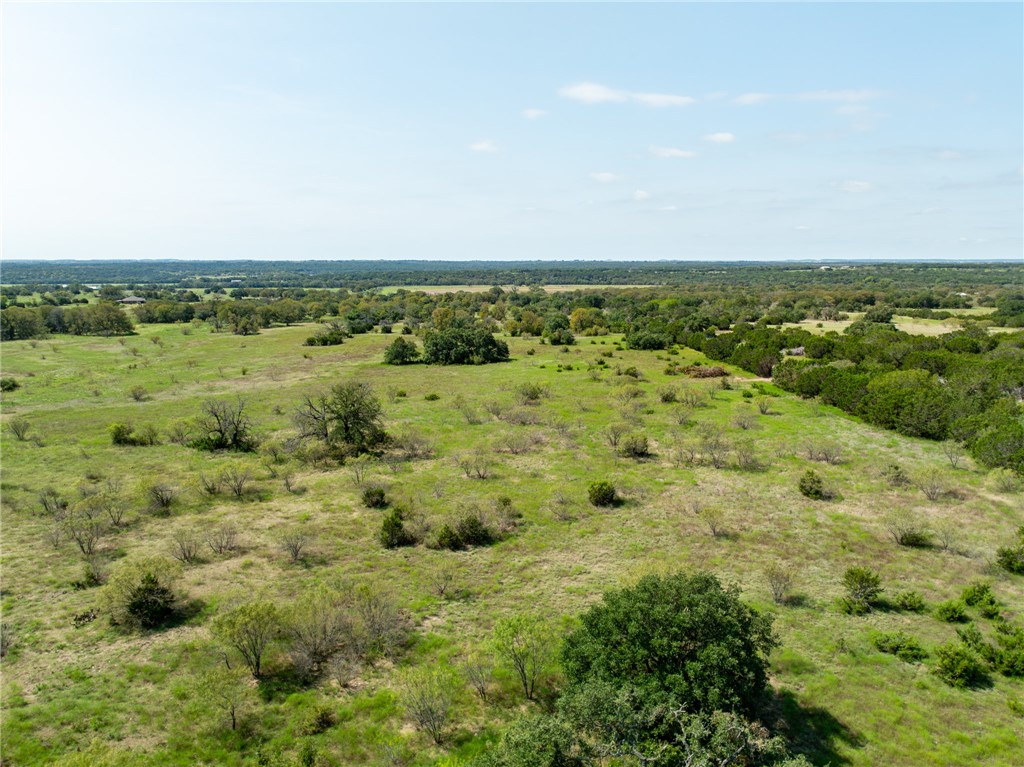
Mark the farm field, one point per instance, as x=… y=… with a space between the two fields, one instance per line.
x=69 y=688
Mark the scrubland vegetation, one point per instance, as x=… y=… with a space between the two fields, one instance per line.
x=282 y=523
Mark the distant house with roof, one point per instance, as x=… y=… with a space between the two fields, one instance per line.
x=132 y=300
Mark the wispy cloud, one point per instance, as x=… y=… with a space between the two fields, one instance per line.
x=840 y=96
x=604 y=177
x=595 y=93
x=640 y=195
x=749 y=99
x=661 y=99
x=667 y=151
x=855 y=187
x=483 y=145
x=949 y=154
x=720 y=138
x=533 y=114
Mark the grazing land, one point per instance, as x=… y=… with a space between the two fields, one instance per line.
x=516 y=446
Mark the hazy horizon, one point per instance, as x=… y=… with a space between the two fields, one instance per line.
x=687 y=132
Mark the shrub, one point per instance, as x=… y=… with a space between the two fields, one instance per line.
x=904 y=647
x=432 y=397
x=1011 y=558
x=812 y=486
x=9 y=383
x=958 y=666
x=780 y=581
x=401 y=352
x=907 y=529
x=19 y=428
x=161 y=497
x=895 y=476
x=602 y=493
x=863 y=587
x=140 y=593
x=977 y=593
x=374 y=497
x=393 y=533
x=908 y=601
x=1004 y=480
x=427 y=695
x=634 y=446
x=952 y=611
x=471 y=531
x=447 y=538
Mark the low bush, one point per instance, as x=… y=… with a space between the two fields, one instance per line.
x=952 y=611
x=602 y=493
x=908 y=601
x=374 y=497
x=958 y=666
x=8 y=383
x=977 y=593
x=812 y=486
x=863 y=588
x=634 y=446
x=393 y=533
x=903 y=646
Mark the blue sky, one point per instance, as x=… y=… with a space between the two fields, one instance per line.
x=687 y=131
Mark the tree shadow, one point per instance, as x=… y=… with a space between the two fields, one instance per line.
x=812 y=731
x=278 y=683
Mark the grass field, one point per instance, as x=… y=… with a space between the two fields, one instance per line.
x=913 y=325
x=838 y=699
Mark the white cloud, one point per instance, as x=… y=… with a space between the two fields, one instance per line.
x=604 y=177
x=484 y=145
x=848 y=95
x=668 y=208
x=661 y=99
x=748 y=99
x=843 y=96
x=801 y=227
x=667 y=151
x=595 y=93
x=856 y=187
x=720 y=138
x=591 y=93
x=949 y=154
x=852 y=109
x=640 y=195
x=533 y=114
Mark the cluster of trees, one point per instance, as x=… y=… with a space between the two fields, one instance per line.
x=964 y=385
x=101 y=319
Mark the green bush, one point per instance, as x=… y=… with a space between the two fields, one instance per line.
x=393 y=533
x=904 y=647
x=977 y=593
x=908 y=601
x=602 y=493
x=401 y=352
x=863 y=587
x=952 y=611
x=473 y=532
x=1011 y=558
x=634 y=446
x=812 y=486
x=140 y=593
x=958 y=666
x=447 y=538
x=374 y=497
x=432 y=397
x=8 y=383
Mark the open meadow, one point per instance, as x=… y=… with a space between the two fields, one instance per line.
x=71 y=681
